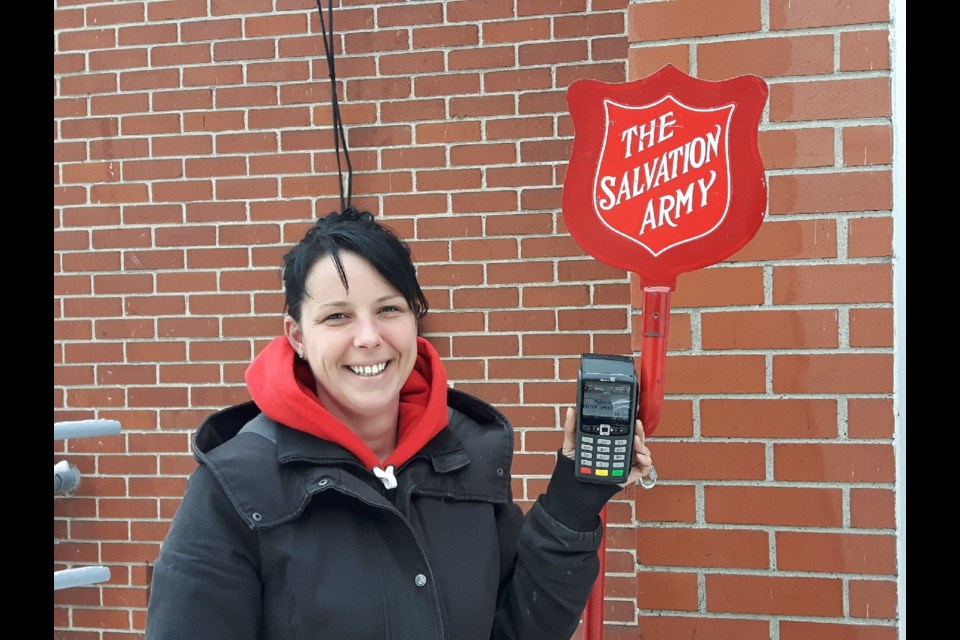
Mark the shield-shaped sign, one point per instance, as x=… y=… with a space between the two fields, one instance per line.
x=665 y=175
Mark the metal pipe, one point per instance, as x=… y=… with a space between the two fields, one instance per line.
x=85 y=429
x=66 y=478
x=79 y=577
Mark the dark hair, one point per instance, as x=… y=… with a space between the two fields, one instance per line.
x=357 y=232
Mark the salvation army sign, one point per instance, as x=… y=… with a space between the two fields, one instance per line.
x=665 y=175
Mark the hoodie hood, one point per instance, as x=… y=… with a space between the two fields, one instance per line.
x=282 y=386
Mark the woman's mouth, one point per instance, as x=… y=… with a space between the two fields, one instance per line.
x=368 y=370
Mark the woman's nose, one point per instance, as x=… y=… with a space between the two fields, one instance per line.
x=368 y=333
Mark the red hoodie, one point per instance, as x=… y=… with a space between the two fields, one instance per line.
x=283 y=387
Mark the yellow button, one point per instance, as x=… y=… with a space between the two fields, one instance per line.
x=602 y=472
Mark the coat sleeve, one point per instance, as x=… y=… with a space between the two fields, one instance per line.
x=546 y=583
x=206 y=581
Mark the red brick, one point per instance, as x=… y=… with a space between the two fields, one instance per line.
x=872 y=509
x=774 y=506
x=710 y=460
x=768 y=418
x=870 y=237
x=484 y=201
x=873 y=599
x=486 y=345
x=100 y=618
x=551 y=344
x=867 y=145
x=797 y=148
x=833 y=373
x=715 y=287
x=575 y=270
x=592 y=319
x=470 y=11
x=831 y=192
x=766 y=57
x=93 y=530
x=864 y=50
x=458 y=370
x=612 y=48
x=275 y=25
x=508 y=273
x=799 y=14
x=611 y=343
x=690 y=18
x=486 y=297
x=519 y=176
x=458 y=322
x=521 y=368
x=668 y=504
x=795 y=630
x=741 y=549
x=482 y=154
x=832 y=283
x=553 y=246
x=445 y=36
x=790 y=239
x=96 y=398
x=551 y=102
x=769 y=329
x=830 y=99
x=126 y=374
x=646 y=60
x=716 y=374
x=660 y=627
x=374 y=41
x=522 y=320
x=834 y=463
x=92 y=307
x=484 y=249
x=525 y=30
x=449 y=179
x=220 y=350
x=619 y=294
x=453 y=227
x=124 y=328
x=72 y=285
x=871 y=327
x=870 y=418
x=549 y=392
x=72 y=330
x=495 y=393
x=94 y=352
x=155 y=352
x=782 y=596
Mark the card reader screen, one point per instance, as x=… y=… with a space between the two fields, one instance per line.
x=606 y=400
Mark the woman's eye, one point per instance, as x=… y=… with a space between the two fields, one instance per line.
x=391 y=309
x=335 y=317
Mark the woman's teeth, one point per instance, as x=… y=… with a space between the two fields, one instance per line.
x=369 y=370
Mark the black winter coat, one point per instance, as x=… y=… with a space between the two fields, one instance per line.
x=285 y=536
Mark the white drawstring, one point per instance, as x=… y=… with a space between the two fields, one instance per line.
x=386 y=477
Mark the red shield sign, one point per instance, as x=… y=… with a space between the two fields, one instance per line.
x=665 y=175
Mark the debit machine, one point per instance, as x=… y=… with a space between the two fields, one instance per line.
x=607 y=396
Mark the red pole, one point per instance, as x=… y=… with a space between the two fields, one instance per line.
x=653 y=355
x=653 y=363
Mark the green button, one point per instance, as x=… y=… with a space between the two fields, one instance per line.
x=618 y=472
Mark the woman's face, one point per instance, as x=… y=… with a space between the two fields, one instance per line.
x=361 y=344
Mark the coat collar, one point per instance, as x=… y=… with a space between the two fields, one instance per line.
x=469 y=459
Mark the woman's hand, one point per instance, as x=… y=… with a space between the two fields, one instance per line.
x=642 y=458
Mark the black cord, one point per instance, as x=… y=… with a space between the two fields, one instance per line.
x=339 y=136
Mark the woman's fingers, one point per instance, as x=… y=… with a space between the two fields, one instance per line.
x=569 y=433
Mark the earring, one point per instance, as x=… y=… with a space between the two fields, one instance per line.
x=300 y=354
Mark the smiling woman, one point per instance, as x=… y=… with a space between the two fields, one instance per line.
x=357 y=496
x=360 y=342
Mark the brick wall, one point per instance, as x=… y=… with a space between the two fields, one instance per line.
x=778 y=435
x=192 y=145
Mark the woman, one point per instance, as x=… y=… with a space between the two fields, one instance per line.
x=357 y=496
